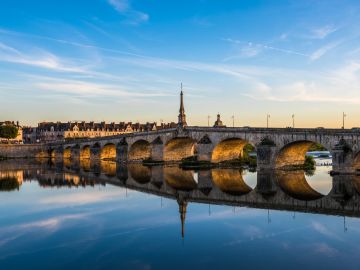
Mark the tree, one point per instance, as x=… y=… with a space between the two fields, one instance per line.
x=8 y=132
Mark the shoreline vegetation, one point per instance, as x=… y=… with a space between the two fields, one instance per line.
x=9 y=183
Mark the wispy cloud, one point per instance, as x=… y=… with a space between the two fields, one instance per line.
x=323 y=50
x=323 y=32
x=250 y=49
x=42 y=59
x=88 y=89
x=133 y=16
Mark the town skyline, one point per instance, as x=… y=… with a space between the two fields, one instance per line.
x=120 y=60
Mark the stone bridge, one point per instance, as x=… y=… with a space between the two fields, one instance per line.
x=275 y=147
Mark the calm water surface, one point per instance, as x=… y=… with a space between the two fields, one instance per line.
x=106 y=217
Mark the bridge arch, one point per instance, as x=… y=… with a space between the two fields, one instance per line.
x=177 y=149
x=356 y=161
x=108 y=152
x=228 y=149
x=85 y=152
x=67 y=152
x=140 y=150
x=293 y=153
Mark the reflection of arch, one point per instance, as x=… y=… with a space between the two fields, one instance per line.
x=52 y=153
x=108 y=152
x=67 y=152
x=295 y=185
x=140 y=173
x=356 y=183
x=179 y=148
x=179 y=179
x=42 y=154
x=140 y=150
x=228 y=149
x=85 y=164
x=85 y=152
x=108 y=167
x=230 y=181
x=293 y=153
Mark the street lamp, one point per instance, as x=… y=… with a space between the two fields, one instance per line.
x=233 y=120
x=293 y=120
x=267 y=120
x=343 y=120
x=208 y=117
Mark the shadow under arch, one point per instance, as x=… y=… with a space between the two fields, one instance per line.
x=140 y=150
x=140 y=173
x=230 y=181
x=85 y=152
x=177 y=149
x=108 y=152
x=180 y=179
x=294 y=184
x=228 y=149
x=67 y=153
x=356 y=162
x=293 y=154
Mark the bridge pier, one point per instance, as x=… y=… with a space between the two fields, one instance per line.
x=266 y=157
x=122 y=150
x=95 y=152
x=204 y=152
x=58 y=154
x=204 y=182
x=157 y=176
x=342 y=188
x=75 y=153
x=266 y=182
x=122 y=173
x=342 y=158
x=157 y=152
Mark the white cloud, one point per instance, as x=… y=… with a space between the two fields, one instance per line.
x=124 y=7
x=325 y=249
x=41 y=59
x=89 y=89
x=323 y=32
x=251 y=49
x=323 y=50
x=82 y=198
x=120 y=5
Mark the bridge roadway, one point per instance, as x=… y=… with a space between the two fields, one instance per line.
x=275 y=147
x=276 y=190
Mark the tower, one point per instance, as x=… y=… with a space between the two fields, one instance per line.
x=182 y=116
x=182 y=211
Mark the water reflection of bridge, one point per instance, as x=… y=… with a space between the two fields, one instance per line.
x=282 y=190
x=278 y=190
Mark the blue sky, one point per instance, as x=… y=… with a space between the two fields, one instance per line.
x=123 y=60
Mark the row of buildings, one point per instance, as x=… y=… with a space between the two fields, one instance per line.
x=60 y=131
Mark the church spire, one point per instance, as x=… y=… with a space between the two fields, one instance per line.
x=182 y=116
x=182 y=211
